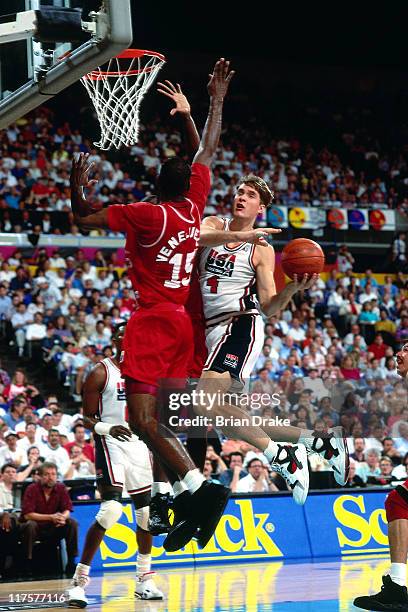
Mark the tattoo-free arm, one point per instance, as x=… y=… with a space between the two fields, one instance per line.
x=86 y=216
x=213 y=234
x=217 y=88
x=191 y=136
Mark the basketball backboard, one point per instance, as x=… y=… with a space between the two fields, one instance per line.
x=32 y=72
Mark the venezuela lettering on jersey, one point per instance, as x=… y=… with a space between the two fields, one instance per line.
x=167 y=251
x=220 y=263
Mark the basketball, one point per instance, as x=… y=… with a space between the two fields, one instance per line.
x=301 y=256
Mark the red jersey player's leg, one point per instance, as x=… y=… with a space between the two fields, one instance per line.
x=156 y=344
x=393 y=595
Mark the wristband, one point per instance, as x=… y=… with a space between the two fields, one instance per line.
x=102 y=429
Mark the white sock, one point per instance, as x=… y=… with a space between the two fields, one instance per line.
x=82 y=569
x=178 y=488
x=193 y=480
x=161 y=487
x=398 y=573
x=143 y=564
x=307 y=438
x=271 y=451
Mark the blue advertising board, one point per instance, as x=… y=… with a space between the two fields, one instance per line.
x=253 y=528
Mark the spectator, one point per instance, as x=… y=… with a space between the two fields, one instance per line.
x=378 y=347
x=46 y=509
x=56 y=453
x=8 y=520
x=399 y=249
x=390 y=451
x=11 y=453
x=371 y=466
x=79 y=440
x=80 y=466
x=234 y=472
x=354 y=480
x=345 y=261
x=208 y=472
x=359 y=450
x=258 y=479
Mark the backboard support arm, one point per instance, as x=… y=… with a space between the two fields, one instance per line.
x=113 y=35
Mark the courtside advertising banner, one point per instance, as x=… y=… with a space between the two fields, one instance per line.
x=348 y=524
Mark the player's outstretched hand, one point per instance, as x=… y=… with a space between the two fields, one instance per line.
x=174 y=93
x=306 y=282
x=80 y=172
x=259 y=236
x=120 y=433
x=220 y=79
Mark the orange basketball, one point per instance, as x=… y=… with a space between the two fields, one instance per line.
x=301 y=256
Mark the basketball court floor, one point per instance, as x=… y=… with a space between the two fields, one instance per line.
x=327 y=586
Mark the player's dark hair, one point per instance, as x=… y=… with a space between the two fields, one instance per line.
x=260 y=186
x=174 y=178
x=117 y=328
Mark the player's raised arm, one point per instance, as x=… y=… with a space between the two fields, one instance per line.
x=217 y=89
x=183 y=109
x=86 y=216
x=270 y=301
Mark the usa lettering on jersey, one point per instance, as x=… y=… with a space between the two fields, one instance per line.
x=120 y=391
x=220 y=263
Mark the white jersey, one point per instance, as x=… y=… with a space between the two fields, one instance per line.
x=112 y=401
x=227 y=281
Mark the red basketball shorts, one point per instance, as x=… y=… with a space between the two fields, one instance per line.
x=200 y=352
x=396 y=504
x=158 y=344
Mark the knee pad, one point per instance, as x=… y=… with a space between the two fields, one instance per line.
x=396 y=504
x=142 y=517
x=109 y=513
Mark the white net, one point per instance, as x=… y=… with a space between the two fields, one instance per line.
x=117 y=92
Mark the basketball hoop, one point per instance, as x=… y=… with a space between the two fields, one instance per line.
x=117 y=92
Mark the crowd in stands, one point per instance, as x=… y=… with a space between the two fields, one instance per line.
x=328 y=358
x=352 y=171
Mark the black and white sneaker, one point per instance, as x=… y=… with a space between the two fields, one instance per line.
x=333 y=447
x=392 y=597
x=291 y=463
x=159 y=514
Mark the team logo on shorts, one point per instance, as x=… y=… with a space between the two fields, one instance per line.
x=122 y=357
x=231 y=360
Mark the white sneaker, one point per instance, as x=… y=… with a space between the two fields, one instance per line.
x=146 y=588
x=76 y=592
x=291 y=463
x=334 y=449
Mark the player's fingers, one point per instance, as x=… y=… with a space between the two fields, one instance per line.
x=170 y=85
x=165 y=93
x=173 y=111
x=179 y=88
x=165 y=87
x=229 y=77
x=271 y=230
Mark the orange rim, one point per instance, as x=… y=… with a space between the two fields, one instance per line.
x=96 y=75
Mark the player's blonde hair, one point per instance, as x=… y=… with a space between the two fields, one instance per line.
x=260 y=186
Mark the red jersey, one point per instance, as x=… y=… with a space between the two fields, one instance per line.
x=162 y=241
